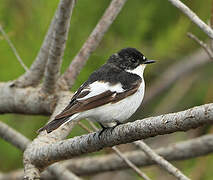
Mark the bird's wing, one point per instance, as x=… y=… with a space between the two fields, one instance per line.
x=97 y=94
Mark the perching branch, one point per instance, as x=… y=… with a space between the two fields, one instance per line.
x=141 y=129
x=97 y=164
x=59 y=38
x=193 y=17
x=13 y=48
x=69 y=77
x=161 y=161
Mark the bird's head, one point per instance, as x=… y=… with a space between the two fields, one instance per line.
x=129 y=59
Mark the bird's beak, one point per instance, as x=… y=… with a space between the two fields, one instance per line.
x=149 y=61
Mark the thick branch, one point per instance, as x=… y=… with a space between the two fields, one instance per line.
x=25 y=101
x=91 y=44
x=141 y=129
x=175 y=72
x=193 y=17
x=58 y=43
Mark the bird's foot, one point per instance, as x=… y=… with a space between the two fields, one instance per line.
x=110 y=128
x=103 y=129
x=117 y=124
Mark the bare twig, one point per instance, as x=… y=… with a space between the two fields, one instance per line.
x=69 y=77
x=160 y=160
x=36 y=71
x=193 y=17
x=126 y=133
x=61 y=172
x=13 y=137
x=13 y=48
x=130 y=164
x=202 y=44
x=58 y=43
x=84 y=127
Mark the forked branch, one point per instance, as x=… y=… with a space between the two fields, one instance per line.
x=193 y=17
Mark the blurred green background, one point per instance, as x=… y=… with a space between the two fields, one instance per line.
x=155 y=27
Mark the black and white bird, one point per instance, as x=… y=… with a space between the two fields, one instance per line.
x=110 y=95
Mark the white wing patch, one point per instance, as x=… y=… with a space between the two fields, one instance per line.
x=99 y=87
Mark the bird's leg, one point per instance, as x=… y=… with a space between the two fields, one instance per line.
x=103 y=129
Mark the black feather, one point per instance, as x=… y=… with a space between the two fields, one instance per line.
x=53 y=125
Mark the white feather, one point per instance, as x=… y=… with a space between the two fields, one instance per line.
x=99 y=87
x=119 y=111
x=139 y=70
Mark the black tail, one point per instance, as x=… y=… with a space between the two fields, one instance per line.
x=54 y=124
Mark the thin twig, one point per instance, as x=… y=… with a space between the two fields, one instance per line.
x=126 y=160
x=91 y=44
x=130 y=164
x=160 y=160
x=193 y=17
x=13 y=137
x=58 y=44
x=84 y=127
x=36 y=71
x=202 y=44
x=13 y=48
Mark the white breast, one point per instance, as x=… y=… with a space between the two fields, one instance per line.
x=114 y=112
x=120 y=111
